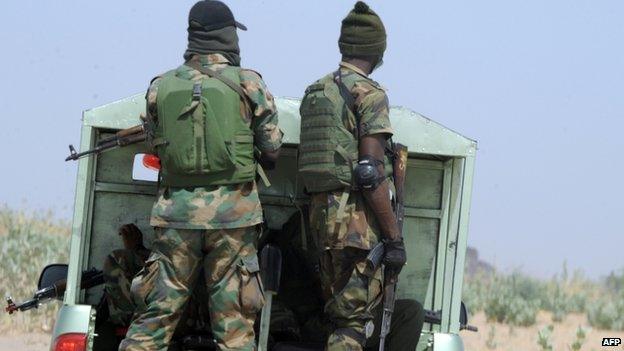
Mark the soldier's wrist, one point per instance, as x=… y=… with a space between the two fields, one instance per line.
x=394 y=238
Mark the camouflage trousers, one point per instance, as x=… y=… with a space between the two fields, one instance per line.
x=120 y=266
x=161 y=291
x=353 y=294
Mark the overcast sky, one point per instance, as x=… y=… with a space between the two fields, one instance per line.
x=538 y=83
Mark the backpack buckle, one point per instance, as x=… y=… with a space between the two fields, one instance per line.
x=197 y=91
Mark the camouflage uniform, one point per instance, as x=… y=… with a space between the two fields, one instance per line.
x=352 y=291
x=120 y=266
x=209 y=228
x=297 y=315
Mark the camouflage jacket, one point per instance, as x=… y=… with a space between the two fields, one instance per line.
x=219 y=207
x=358 y=227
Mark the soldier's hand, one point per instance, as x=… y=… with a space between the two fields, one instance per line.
x=395 y=256
x=132 y=236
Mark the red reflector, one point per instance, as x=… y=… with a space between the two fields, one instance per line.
x=151 y=162
x=70 y=342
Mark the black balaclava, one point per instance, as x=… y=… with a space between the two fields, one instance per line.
x=212 y=30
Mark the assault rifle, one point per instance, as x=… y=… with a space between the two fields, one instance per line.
x=376 y=255
x=122 y=138
x=90 y=278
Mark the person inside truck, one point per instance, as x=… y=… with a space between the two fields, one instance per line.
x=120 y=266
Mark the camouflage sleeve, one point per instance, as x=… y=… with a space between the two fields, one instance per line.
x=268 y=136
x=151 y=112
x=373 y=108
x=150 y=99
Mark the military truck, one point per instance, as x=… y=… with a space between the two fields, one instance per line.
x=114 y=188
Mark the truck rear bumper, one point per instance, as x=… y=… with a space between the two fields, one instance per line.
x=447 y=342
x=75 y=319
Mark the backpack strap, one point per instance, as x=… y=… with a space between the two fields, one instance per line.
x=350 y=104
x=214 y=74
x=349 y=100
x=344 y=92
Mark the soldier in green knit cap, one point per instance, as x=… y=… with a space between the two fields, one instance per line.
x=344 y=165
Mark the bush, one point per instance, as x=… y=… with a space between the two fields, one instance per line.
x=515 y=298
x=29 y=242
x=565 y=295
x=614 y=283
x=607 y=312
x=543 y=338
x=512 y=299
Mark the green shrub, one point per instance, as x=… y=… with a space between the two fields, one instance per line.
x=490 y=343
x=614 y=283
x=515 y=298
x=579 y=340
x=512 y=299
x=607 y=312
x=566 y=294
x=543 y=338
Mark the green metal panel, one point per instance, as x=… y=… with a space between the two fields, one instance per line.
x=437 y=206
x=462 y=242
x=82 y=204
x=424 y=186
x=439 y=272
x=118 y=199
x=450 y=244
x=119 y=114
x=421 y=134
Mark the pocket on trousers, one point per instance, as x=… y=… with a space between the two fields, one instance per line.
x=251 y=289
x=143 y=283
x=374 y=280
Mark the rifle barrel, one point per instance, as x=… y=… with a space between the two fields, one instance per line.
x=109 y=143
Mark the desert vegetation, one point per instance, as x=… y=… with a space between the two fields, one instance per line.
x=516 y=298
x=30 y=241
x=519 y=312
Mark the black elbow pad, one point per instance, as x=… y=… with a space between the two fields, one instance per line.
x=366 y=174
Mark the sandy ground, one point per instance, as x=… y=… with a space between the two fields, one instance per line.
x=506 y=338
x=25 y=342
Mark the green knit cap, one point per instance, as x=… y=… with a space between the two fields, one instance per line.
x=362 y=33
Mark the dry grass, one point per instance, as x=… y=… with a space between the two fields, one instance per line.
x=510 y=338
x=30 y=241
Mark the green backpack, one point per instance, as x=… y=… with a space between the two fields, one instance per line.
x=201 y=137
